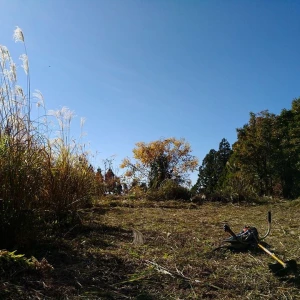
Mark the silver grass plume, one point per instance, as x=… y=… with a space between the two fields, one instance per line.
x=18 y=35
x=25 y=64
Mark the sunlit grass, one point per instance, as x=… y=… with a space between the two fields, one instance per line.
x=38 y=171
x=99 y=258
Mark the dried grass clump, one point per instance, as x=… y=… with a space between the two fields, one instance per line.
x=37 y=171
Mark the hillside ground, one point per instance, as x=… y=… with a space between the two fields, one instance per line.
x=134 y=249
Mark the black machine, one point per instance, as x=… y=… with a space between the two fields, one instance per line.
x=249 y=238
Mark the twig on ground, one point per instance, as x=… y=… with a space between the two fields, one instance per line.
x=159 y=268
x=163 y=270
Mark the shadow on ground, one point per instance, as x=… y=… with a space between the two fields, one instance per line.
x=83 y=269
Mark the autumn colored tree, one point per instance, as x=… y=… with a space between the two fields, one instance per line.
x=99 y=176
x=100 y=187
x=109 y=176
x=112 y=182
x=159 y=160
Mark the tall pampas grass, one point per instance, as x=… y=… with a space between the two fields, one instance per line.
x=38 y=171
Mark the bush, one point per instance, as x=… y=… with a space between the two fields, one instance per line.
x=136 y=192
x=168 y=190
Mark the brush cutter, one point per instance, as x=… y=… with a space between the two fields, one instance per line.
x=248 y=238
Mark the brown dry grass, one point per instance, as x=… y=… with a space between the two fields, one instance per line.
x=98 y=259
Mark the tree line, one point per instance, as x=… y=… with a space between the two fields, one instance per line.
x=264 y=161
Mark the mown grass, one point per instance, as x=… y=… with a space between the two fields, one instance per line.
x=98 y=259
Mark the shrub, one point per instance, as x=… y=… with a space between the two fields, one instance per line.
x=168 y=190
x=172 y=190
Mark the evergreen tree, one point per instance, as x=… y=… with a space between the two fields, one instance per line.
x=223 y=156
x=212 y=172
x=207 y=177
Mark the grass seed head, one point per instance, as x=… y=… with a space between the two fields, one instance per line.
x=25 y=65
x=18 y=35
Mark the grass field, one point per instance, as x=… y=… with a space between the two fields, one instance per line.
x=161 y=250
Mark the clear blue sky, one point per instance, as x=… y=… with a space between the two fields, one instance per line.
x=142 y=70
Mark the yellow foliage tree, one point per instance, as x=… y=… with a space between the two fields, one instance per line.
x=159 y=160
